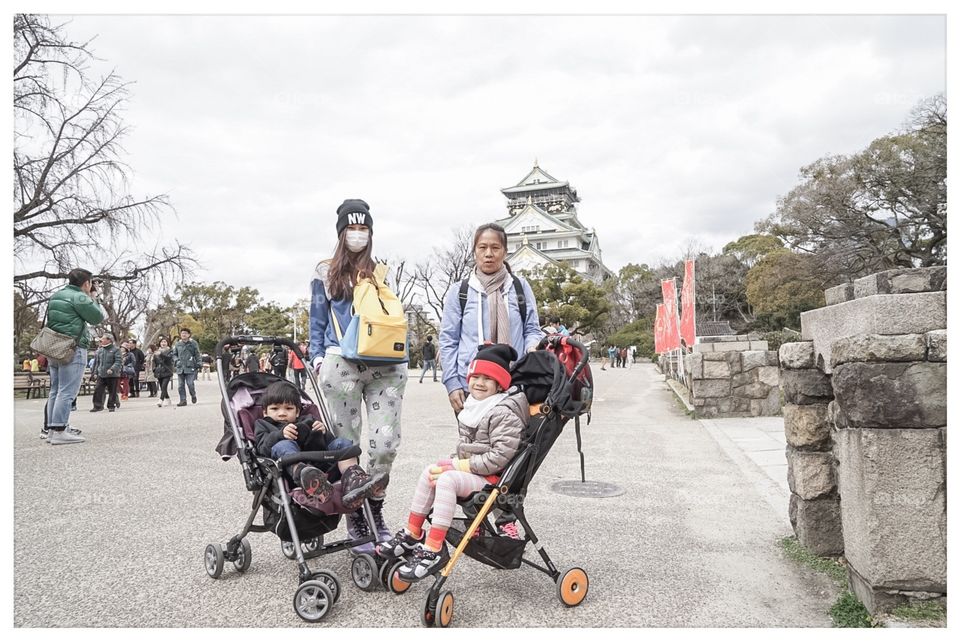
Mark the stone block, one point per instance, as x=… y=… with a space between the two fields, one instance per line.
x=838 y=294
x=817 y=524
x=878 y=347
x=877 y=600
x=769 y=375
x=798 y=355
x=921 y=279
x=806 y=426
x=725 y=405
x=735 y=346
x=714 y=356
x=708 y=410
x=740 y=405
x=893 y=484
x=759 y=345
x=773 y=359
x=711 y=388
x=700 y=348
x=871 y=285
x=771 y=405
x=892 y=394
x=716 y=369
x=836 y=417
x=753 y=390
x=805 y=386
x=693 y=365
x=751 y=359
x=811 y=475
x=937 y=345
x=746 y=378
x=889 y=314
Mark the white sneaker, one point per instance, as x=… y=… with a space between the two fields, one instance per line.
x=63 y=437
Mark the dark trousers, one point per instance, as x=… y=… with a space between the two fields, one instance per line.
x=164 y=382
x=280 y=371
x=151 y=387
x=300 y=376
x=106 y=386
x=135 y=385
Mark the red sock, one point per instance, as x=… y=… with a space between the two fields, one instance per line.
x=415 y=524
x=435 y=538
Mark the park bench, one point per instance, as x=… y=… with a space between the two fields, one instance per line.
x=33 y=385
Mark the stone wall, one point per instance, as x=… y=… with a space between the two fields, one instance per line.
x=877 y=359
x=811 y=467
x=732 y=376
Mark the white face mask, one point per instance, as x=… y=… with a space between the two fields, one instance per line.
x=357 y=240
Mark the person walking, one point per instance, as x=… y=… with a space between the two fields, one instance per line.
x=69 y=311
x=107 y=368
x=263 y=364
x=206 y=362
x=348 y=385
x=163 y=369
x=139 y=366
x=186 y=358
x=128 y=371
x=429 y=353
x=298 y=367
x=278 y=361
x=493 y=305
x=149 y=378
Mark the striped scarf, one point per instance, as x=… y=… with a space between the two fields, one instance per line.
x=497 y=304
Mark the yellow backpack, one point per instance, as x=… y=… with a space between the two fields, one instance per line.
x=378 y=328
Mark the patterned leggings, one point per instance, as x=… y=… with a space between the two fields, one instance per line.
x=443 y=497
x=346 y=386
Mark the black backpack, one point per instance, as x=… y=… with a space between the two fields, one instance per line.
x=278 y=359
x=521 y=299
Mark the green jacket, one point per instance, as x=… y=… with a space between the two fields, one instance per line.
x=68 y=312
x=186 y=356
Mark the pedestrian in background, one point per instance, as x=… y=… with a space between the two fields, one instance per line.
x=163 y=369
x=107 y=368
x=186 y=358
x=429 y=352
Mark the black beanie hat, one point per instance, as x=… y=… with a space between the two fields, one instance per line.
x=493 y=361
x=353 y=211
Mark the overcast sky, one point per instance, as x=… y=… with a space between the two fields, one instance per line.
x=672 y=129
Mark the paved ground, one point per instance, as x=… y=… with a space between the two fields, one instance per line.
x=111 y=532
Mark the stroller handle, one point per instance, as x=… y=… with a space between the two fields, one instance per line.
x=247 y=339
x=319 y=457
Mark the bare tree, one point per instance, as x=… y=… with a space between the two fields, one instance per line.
x=446 y=266
x=71 y=205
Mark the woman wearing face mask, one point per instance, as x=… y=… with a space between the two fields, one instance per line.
x=348 y=384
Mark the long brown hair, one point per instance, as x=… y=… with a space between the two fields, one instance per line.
x=345 y=265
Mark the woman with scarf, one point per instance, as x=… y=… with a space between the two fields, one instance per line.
x=483 y=309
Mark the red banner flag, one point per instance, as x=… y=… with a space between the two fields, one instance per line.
x=688 y=317
x=671 y=317
x=658 y=331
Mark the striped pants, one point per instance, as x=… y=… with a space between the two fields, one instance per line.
x=443 y=497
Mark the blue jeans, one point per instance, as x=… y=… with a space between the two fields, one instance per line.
x=64 y=384
x=427 y=365
x=188 y=379
x=286 y=446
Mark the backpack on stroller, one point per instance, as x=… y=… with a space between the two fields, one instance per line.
x=300 y=530
x=557 y=382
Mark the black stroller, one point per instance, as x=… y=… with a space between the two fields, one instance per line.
x=300 y=531
x=557 y=381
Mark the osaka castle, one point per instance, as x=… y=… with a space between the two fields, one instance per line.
x=543 y=228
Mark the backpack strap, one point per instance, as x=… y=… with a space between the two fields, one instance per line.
x=576 y=427
x=517 y=286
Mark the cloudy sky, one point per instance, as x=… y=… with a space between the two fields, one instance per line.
x=671 y=128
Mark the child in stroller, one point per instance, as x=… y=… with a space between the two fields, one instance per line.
x=490 y=424
x=282 y=431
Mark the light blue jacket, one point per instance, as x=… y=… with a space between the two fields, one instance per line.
x=461 y=336
x=322 y=332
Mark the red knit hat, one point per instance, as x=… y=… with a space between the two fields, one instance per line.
x=493 y=361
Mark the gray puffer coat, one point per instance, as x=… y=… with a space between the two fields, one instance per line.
x=495 y=441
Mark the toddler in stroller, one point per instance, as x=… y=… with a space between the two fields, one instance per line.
x=490 y=424
x=282 y=431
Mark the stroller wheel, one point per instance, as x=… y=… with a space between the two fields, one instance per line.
x=244 y=556
x=331 y=582
x=572 y=586
x=288 y=550
x=213 y=560
x=394 y=582
x=312 y=601
x=444 y=612
x=364 y=572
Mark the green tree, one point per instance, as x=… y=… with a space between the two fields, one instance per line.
x=220 y=309
x=271 y=320
x=581 y=304
x=638 y=333
x=881 y=208
x=781 y=285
